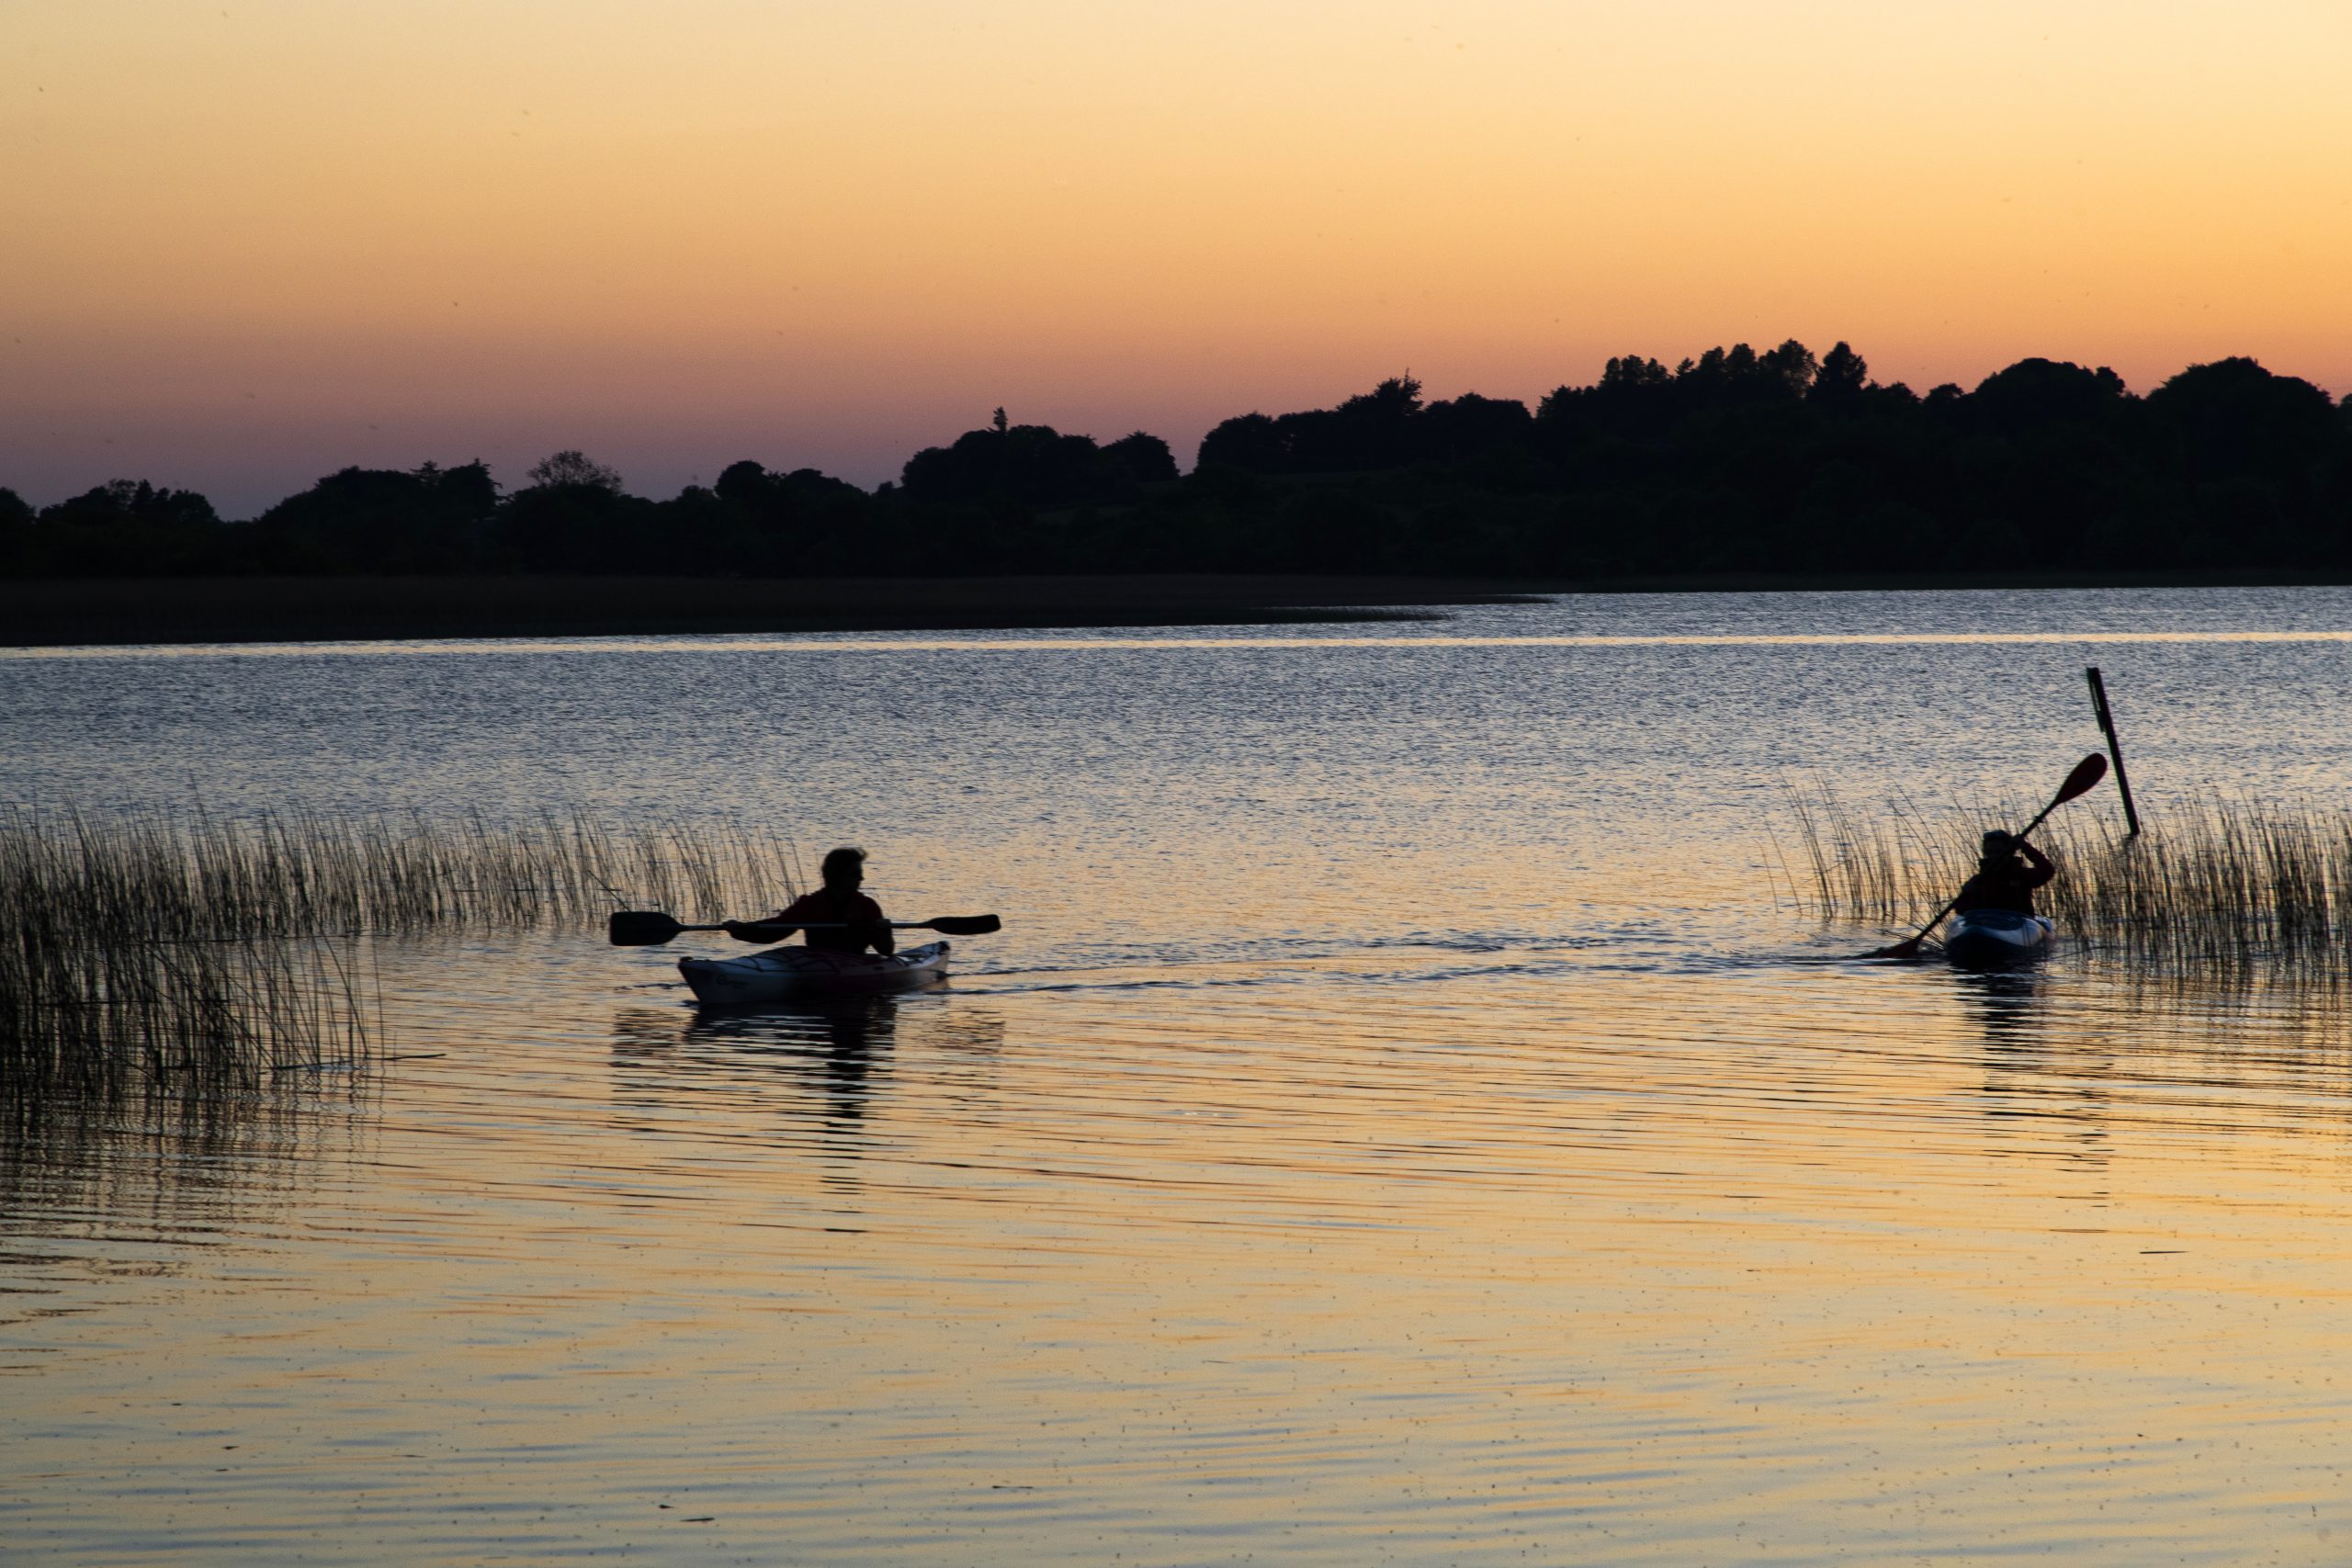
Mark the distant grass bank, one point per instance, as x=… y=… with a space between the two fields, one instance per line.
x=66 y=611
x=55 y=611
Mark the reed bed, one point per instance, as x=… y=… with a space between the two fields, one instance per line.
x=2218 y=883
x=182 y=877
x=171 y=945
x=92 y=1017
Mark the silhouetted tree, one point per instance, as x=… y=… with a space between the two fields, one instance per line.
x=2232 y=418
x=1632 y=370
x=744 y=484
x=1838 y=383
x=1030 y=466
x=1250 y=443
x=575 y=518
x=125 y=528
x=1470 y=426
x=1788 y=369
x=783 y=524
x=16 y=532
x=1146 y=458
x=133 y=501
x=2034 y=394
x=1371 y=430
x=429 y=520
x=1732 y=460
x=574 y=467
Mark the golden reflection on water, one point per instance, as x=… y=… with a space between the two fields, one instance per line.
x=1758 y=1262
x=1394 y=1123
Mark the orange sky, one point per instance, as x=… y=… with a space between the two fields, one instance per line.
x=250 y=241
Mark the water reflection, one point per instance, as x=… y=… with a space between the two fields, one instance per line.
x=2004 y=1004
x=104 y=1196
x=1267 y=1207
x=168 y=1153
x=835 y=1046
x=839 y=1053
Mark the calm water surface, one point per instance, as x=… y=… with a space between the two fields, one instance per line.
x=1404 y=1119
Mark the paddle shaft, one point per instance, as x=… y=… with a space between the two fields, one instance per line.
x=822 y=925
x=650 y=927
x=2114 y=748
x=2020 y=836
x=2080 y=782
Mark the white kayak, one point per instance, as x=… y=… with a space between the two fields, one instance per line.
x=808 y=974
x=1991 y=938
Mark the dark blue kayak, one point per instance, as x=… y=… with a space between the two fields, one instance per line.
x=1996 y=939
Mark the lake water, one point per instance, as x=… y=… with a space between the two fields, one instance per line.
x=1405 y=1118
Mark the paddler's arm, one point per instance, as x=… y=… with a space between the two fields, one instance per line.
x=2039 y=868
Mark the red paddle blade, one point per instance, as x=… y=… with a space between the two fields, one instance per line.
x=1908 y=948
x=2084 y=779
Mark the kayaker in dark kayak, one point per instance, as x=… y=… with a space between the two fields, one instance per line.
x=2002 y=881
x=856 y=920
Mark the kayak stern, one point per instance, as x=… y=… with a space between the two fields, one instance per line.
x=807 y=974
x=1997 y=939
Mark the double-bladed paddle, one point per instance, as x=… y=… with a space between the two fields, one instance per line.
x=650 y=928
x=2082 y=780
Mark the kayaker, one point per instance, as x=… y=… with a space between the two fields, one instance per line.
x=836 y=917
x=2002 y=880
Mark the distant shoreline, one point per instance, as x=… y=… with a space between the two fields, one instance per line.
x=64 y=612
x=60 y=611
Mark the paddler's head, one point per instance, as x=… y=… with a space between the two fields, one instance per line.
x=845 y=869
x=1999 y=847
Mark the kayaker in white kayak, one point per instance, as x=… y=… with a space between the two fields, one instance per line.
x=836 y=917
x=2002 y=880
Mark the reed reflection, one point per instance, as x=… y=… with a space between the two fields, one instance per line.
x=2112 y=1042
x=176 y=1172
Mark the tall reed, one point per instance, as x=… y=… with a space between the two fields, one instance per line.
x=89 y=1016
x=175 y=945
x=185 y=876
x=2215 y=880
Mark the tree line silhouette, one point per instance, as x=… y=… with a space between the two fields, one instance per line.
x=1736 y=461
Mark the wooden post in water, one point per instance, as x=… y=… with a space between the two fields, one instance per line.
x=2114 y=751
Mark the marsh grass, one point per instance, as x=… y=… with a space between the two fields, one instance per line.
x=2218 y=883
x=185 y=947
x=183 y=877
x=94 y=1017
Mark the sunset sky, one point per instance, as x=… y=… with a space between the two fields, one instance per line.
x=252 y=241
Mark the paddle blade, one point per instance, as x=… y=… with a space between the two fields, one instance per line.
x=641 y=928
x=967 y=925
x=2084 y=779
x=1908 y=948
